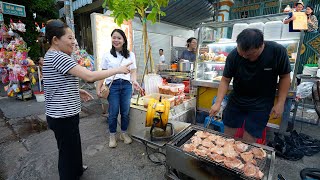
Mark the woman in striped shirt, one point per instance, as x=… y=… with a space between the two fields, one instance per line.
x=63 y=96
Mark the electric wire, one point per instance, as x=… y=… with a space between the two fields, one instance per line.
x=157 y=162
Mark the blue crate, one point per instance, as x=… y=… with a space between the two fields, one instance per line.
x=201 y=116
x=217 y=125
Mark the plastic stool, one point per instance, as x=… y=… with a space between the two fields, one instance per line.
x=218 y=125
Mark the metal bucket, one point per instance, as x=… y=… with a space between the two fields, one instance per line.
x=184 y=66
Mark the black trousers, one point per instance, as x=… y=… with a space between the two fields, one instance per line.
x=66 y=131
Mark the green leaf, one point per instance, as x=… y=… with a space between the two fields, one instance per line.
x=152 y=17
x=104 y=5
x=126 y=9
x=162 y=13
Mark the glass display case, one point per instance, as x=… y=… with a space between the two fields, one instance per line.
x=216 y=40
x=213 y=55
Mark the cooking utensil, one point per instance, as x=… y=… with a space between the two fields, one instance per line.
x=184 y=65
x=208 y=124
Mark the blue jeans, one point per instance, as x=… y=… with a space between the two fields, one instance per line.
x=119 y=98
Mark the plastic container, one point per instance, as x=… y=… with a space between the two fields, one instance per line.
x=179 y=99
x=147 y=98
x=39 y=96
x=172 y=89
x=186 y=86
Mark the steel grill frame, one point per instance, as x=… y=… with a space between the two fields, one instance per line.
x=175 y=146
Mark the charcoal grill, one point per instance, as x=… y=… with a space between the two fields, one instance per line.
x=188 y=164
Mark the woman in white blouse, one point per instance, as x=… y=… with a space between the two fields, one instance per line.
x=121 y=87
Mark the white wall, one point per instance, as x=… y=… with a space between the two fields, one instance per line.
x=163 y=28
x=161 y=36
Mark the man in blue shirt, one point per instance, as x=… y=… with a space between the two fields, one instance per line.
x=290 y=18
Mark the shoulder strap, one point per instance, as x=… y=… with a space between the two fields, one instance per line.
x=115 y=74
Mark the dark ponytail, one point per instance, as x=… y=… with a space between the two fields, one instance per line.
x=55 y=27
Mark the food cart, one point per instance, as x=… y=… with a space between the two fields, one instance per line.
x=217 y=40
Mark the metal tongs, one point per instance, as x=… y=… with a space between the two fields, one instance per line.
x=210 y=120
x=208 y=124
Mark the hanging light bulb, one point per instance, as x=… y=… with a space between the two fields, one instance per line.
x=10 y=32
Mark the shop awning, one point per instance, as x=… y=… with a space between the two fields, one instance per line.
x=188 y=13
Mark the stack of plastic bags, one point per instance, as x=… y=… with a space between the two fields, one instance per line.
x=151 y=83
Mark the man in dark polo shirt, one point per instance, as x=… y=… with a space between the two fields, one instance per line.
x=255 y=66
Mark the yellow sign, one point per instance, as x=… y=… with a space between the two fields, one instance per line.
x=288 y=1
x=301 y=22
x=272 y=4
x=246 y=8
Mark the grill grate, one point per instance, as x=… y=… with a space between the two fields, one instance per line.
x=261 y=163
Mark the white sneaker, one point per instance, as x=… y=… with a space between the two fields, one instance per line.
x=112 y=141
x=125 y=138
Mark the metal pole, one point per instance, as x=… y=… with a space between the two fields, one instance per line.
x=68 y=11
x=280 y=6
x=298 y=61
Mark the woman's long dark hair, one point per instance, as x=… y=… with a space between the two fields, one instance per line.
x=125 y=52
x=312 y=13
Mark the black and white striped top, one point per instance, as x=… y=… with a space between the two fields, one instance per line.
x=61 y=89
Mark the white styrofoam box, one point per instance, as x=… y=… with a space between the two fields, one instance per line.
x=225 y=40
x=272 y=30
x=237 y=29
x=310 y=70
x=318 y=73
x=289 y=35
x=258 y=25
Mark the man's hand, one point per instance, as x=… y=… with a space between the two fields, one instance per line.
x=214 y=109
x=277 y=111
x=85 y=96
x=293 y=18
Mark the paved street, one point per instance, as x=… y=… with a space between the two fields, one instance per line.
x=26 y=153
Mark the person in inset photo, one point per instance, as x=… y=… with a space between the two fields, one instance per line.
x=312 y=20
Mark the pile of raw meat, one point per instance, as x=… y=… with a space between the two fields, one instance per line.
x=231 y=153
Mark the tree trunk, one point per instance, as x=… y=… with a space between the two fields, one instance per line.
x=144 y=35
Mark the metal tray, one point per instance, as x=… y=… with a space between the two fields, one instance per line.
x=266 y=165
